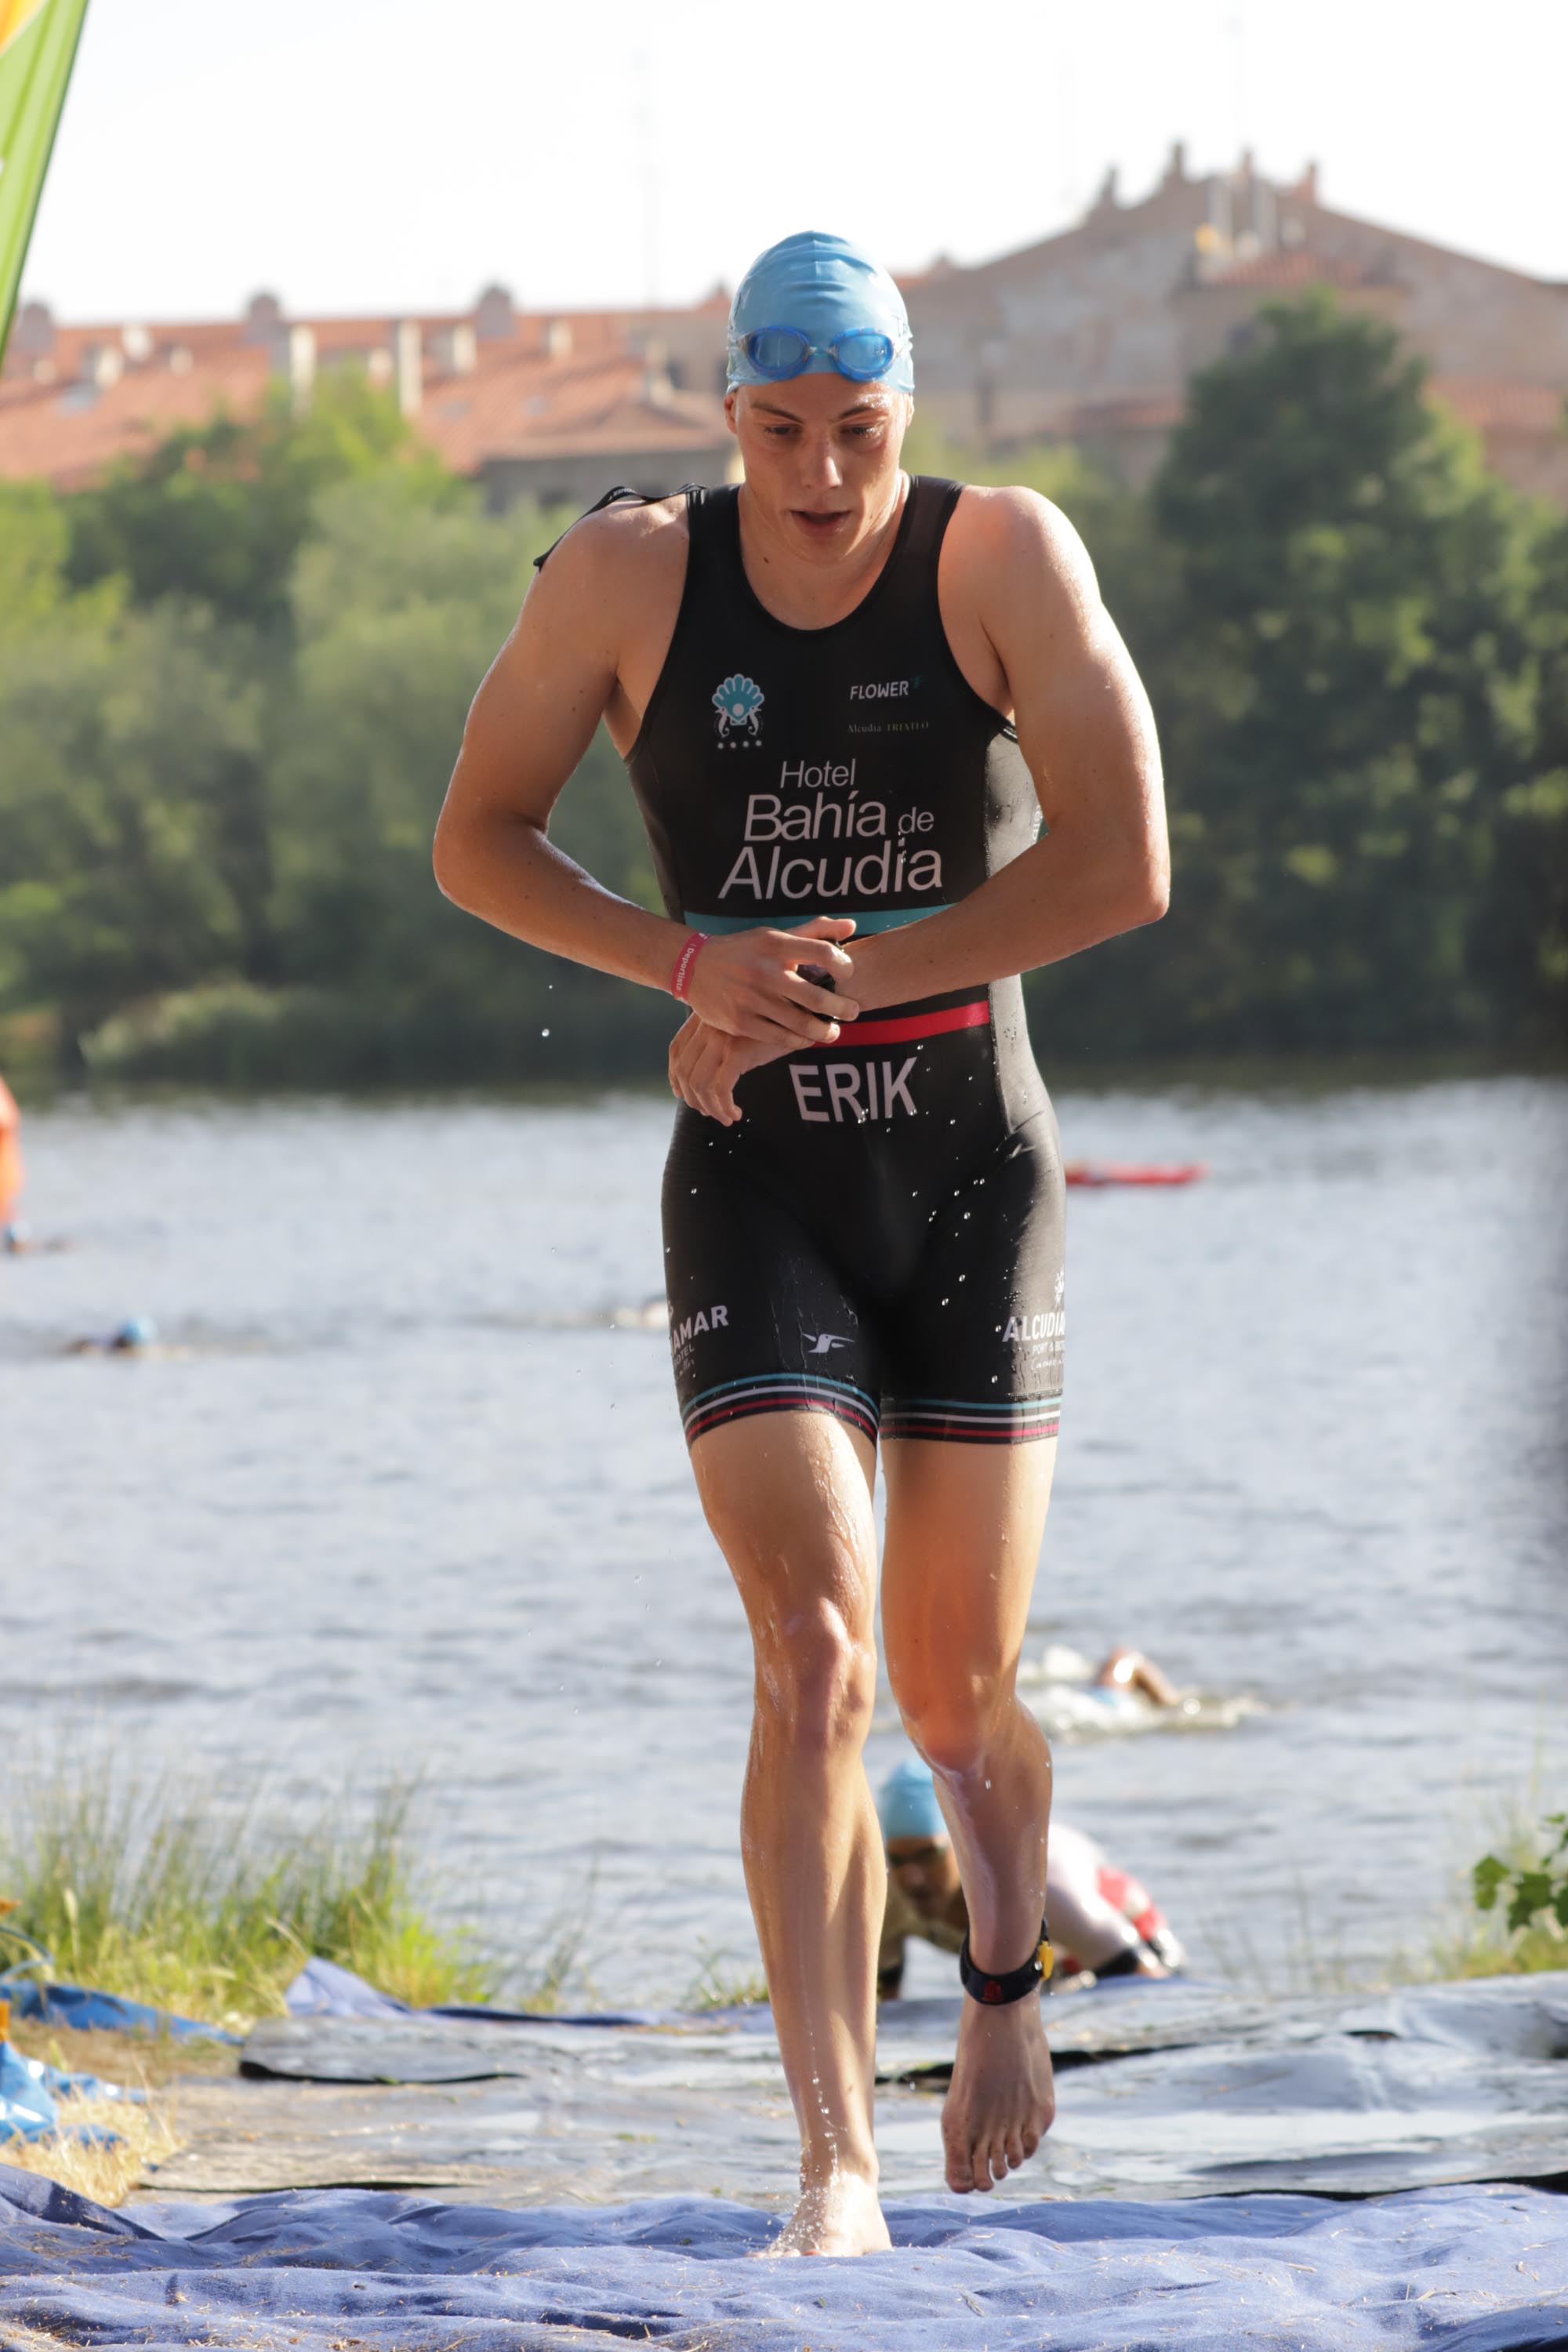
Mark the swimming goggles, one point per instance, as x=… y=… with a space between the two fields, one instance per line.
x=862 y=353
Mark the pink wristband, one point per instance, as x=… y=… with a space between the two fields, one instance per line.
x=680 y=978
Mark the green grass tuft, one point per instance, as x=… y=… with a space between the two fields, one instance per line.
x=716 y=1985
x=140 y=1888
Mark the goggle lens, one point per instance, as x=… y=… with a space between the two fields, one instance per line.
x=862 y=355
x=777 y=352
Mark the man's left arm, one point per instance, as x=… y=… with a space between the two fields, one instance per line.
x=1102 y=864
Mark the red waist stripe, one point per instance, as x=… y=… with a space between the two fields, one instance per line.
x=916 y=1025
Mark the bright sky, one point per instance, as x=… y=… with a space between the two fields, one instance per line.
x=380 y=155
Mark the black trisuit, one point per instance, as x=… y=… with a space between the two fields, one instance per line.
x=880 y=1237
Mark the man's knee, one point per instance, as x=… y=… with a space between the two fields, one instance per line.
x=817 y=1675
x=952 y=1718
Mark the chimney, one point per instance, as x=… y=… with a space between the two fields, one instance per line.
x=33 y=337
x=263 y=318
x=452 y=350
x=296 y=354
x=1106 y=200
x=408 y=365
x=494 y=316
x=101 y=365
x=1307 y=186
x=291 y=354
x=656 y=382
x=1177 y=165
x=1265 y=216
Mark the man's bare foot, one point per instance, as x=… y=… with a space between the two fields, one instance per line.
x=841 y=2216
x=1002 y=2100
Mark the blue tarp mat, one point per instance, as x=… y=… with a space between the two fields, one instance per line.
x=30 y=2093
x=1466 y=2269
x=322 y=1989
x=79 y=2005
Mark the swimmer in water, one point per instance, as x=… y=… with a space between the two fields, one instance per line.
x=134 y=1337
x=846 y=699
x=1103 y=1923
x=1131 y=1671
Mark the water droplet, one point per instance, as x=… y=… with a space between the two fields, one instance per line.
x=544 y=1032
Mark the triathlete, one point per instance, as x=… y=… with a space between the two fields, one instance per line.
x=846 y=699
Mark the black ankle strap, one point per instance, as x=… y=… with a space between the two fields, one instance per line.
x=993 y=1991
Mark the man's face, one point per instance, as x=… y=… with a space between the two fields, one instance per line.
x=821 y=455
x=926 y=1870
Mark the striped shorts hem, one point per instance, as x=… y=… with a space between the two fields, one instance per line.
x=943 y=1418
x=959 y=1422
x=781 y=1392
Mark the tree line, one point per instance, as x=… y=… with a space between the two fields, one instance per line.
x=233 y=678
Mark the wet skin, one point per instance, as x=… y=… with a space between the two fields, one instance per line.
x=788 y=1496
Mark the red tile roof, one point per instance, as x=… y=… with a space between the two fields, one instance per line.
x=1290 y=266
x=559 y=382
x=1497 y=405
x=531 y=405
x=68 y=430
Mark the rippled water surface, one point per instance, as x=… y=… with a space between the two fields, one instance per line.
x=399 y=1493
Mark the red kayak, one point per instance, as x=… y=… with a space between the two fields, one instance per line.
x=1125 y=1172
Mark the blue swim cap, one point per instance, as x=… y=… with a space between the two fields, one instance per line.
x=907 y=1807
x=136 y=1331
x=825 y=287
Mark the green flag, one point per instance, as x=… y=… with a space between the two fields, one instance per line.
x=38 y=49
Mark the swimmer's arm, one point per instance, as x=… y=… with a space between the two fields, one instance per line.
x=1087 y=731
x=531 y=720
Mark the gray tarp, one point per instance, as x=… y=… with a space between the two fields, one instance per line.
x=1164 y=2090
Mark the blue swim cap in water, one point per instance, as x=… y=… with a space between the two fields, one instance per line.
x=907 y=1807
x=816 y=305
x=136 y=1331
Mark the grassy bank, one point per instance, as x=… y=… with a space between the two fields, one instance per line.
x=140 y=1887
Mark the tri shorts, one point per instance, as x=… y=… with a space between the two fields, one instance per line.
x=905 y=1298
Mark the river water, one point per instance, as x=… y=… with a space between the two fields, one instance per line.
x=397 y=1495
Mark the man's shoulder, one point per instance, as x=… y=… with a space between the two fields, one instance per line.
x=1007 y=520
x=626 y=542
x=1014 y=549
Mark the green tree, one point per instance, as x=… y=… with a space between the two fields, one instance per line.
x=1353 y=701
x=121 y=732
x=220 y=510
x=399 y=607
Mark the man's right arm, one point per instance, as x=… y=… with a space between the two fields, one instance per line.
x=531 y=721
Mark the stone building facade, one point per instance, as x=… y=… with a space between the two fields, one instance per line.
x=1091 y=335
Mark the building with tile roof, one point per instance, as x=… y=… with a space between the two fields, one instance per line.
x=1090 y=336
x=553 y=406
